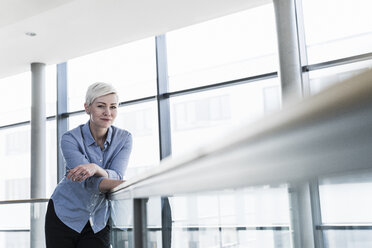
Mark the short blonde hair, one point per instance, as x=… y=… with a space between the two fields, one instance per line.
x=97 y=90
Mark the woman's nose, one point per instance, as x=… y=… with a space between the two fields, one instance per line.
x=107 y=111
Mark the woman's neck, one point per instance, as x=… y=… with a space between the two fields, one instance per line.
x=99 y=134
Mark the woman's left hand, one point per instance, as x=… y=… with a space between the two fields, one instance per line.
x=82 y=172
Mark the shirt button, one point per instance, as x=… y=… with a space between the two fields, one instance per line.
x=100 y=160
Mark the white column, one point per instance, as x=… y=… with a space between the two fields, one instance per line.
x=38 y=160
x=290 y=73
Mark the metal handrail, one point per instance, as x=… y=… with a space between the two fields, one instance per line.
x=330 y=132
x=35 y=200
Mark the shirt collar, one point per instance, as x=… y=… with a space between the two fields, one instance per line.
x=88 y=135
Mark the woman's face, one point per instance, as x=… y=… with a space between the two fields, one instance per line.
x=103 y=111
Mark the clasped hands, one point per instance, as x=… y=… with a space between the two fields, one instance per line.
x=82 y=172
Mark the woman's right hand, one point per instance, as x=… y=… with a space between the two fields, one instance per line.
x=82 y=172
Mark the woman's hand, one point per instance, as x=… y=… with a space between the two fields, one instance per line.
x=82 y=172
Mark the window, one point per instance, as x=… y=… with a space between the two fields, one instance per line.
x=224 y=49
x=199 y=118
x=336 y=29
x=141 y=121
x=345 y=206
x=130 y=68
x=15 y=157
x=322 y=79
x=249 y=217
x=15 y=99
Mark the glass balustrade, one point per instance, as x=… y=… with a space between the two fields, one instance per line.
x=250 y=217
x=22 y=223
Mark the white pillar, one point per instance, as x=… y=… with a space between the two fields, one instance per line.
x=38 y=152
x=290 y=71
x=290 y=74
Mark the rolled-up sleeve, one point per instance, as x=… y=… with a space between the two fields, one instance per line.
x=92 y=183
x=120 y=162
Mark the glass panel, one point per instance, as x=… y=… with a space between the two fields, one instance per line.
x=251 y=217
x=347 y=238
x=141 y=121
x=337 y=28
x=122 y=223
x=227 y=48
x=18 y=239
x=15 y=216
x=344 y=199
x=322 y=79
x=130 y=68
x=16 y=221
x=76 y=120
x=198 y=118
x=51 y=90
x=154 y=225
x=51 y=157
x=15 y=155
x=16 y=94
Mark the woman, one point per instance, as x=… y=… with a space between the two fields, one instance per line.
x=96 y=156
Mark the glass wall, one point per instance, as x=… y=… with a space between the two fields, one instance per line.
x=251 y=217
x=16 y=95
x=199 y=118
x=130 y=68
x=345 y=207
x=324 y=78
x=15 y=154
x=248 y=217
x=15 y=157
x=336 y=29
x=230 y=50
x=232 y=47
x=15 y=136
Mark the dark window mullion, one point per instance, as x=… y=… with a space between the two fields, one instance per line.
x=62 y=122
x=165 y=145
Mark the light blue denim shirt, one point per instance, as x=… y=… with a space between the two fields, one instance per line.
x=76 y=203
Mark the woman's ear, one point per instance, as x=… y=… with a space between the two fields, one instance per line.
x=87 y=110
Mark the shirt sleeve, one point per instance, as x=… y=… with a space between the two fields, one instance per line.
x=72 y=152
x=120 y=162
x=74 y=155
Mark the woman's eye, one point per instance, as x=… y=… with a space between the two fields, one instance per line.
x=100 y=106
x=113 y=107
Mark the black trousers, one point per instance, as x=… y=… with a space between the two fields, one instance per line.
x=58 y=235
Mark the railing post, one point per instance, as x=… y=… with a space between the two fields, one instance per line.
x=140 y=223
x=301 y=215
x=316 y=213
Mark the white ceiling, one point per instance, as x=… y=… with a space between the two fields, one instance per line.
x=70 y=28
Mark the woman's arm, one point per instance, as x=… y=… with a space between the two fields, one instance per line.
x=83 y=171
x=108 y=184
x=120 y=162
